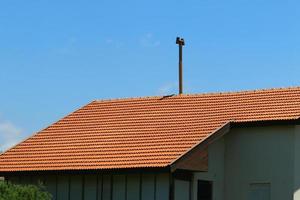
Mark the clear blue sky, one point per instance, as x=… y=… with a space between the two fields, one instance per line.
x=56 y=56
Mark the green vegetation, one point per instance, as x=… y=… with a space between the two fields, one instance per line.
x=9 y=191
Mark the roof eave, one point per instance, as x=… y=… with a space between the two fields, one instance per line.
x=137 y=170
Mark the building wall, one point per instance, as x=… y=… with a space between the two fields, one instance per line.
x=256 y=156
x=249 y=162
x=215 y=170
x=103 y=186
x=182 y=190
x=296 y=187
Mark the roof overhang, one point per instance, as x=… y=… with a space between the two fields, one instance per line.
x=196 y=158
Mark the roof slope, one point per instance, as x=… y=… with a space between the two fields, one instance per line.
x=143 y=132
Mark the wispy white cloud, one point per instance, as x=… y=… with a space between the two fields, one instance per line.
x=148 y=40
x=9 y=135
x=167 y=89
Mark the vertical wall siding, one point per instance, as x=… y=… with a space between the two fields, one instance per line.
x=162 y=187
x=90 y=187
x=106 y=190
x=148 y=187
x=102 y=187
x=76 y=187
x=133 y=187
x=119 y=187
x=51 y=186
x=182 y=190
x=99 y=187
x=63 y=187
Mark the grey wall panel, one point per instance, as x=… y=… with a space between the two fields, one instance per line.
x=148 y=190
x=106 y=191
x=119 y=190
x=162 y=187
x=296 y=174
x=14 y=179
x=133 y=187
x=50 y=184
x=105 y=187
x=182 y=190
x=24 y=180
x=62 y=187
x=90 y=187
x=76 y=187
x=215 y=174
x=258 y=155
x=35 y=180
x=99 y=187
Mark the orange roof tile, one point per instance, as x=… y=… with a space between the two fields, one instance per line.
x=143 y=132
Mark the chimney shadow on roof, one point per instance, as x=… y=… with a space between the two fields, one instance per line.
x=166 y=96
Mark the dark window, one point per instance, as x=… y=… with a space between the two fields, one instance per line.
x=204 y=190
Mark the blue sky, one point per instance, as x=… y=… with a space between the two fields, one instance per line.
x=56 y=56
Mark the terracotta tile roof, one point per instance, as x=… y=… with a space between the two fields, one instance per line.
x=143 y=132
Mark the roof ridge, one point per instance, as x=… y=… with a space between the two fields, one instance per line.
x=131 y=98
x=197 y=94
x=245 y=91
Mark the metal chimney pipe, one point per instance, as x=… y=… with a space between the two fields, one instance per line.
x=180 y=42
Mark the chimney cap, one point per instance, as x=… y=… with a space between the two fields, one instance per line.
x=180 y=41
